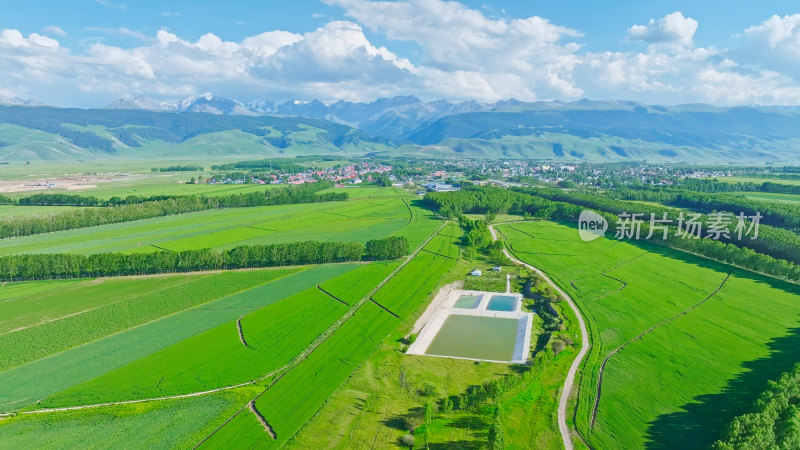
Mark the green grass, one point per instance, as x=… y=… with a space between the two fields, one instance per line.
x=173 y=424
x=128 y=303
x=12 y=291
x=78 y=297
x=216 y=358
x=30 y=382
x=368 y=410
x=351 y=288
x=356 y=220
x=773 y=197
x=294 y=398
x=403 y=293
x=758 y=180
x=8 y=211
x=682 y=383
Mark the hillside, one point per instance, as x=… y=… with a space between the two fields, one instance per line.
x=209 y=127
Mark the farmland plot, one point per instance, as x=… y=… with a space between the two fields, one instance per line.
x=687 y=343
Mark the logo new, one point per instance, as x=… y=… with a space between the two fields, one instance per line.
x=591 y=225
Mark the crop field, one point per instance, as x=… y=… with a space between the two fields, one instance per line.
x=419 y=278
x=136 y=338
x=288 y=403
x=134 y=307
x=758 y=180
x=177 y=424
x=687 y=343
x=94 y=358
x=224 y=359
x=351 y=289
x=355 y=220
x=7 y=211
x=773 y=197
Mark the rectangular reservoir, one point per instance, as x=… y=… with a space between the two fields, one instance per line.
x=468 y=301
x=503 y=303
x=476 y=337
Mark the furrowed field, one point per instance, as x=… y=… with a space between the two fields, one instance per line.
x=295 y=397
x=354 y=220
x=250 y=332
x=773 y=197
x=688 y=343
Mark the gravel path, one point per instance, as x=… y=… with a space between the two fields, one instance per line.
x=569 y=382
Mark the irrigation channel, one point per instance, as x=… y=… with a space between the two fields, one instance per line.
x=569 y=382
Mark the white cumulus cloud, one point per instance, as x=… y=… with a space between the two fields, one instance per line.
x=672 y=28
x=462 y=54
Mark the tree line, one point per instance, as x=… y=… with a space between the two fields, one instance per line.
x=772 y=241
x=784 y=215
x=776 y=251
x=64 y=265
x=774 y=422
x=391 y=247
x=126 y=212
x=178 y=169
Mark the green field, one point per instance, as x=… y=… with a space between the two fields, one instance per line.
x=295 y=397
x=354 y=220
x=98 y=356
x=224 y=361
x=690 y=357
x=773 y=197
x=7 y=211
x=115 y=305
x=177 y=424
x=130 y=338
x=373 y=405
x=758 y=180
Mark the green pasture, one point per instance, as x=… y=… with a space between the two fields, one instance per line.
x=296 y=396
x=773 y=197
x=30 y=382
x=758 y=180
x=171 y=424
x=115 y=307
x=355 y=220
x=708 y=356
x=8 y=211
x=224 y=359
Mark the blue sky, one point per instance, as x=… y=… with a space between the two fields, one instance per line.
x=89 y=52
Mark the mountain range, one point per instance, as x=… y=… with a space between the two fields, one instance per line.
x=209 y=127
x=385 y=117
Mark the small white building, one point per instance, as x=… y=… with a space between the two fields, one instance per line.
x=475 y=273
x=496 y=268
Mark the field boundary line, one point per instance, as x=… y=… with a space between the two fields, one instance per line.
x=639 y=337
x=569 y=382
x=438 y=254
x=331 y=295
x=261 y=419
x=322 y=338
x=77 y=313
x=372 y=299
x=410 y=213
x=84 y=280
x=197 y=307
x=241 y=333
x=144 y=400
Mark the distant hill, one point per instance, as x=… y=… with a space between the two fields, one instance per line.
x=47 y=133
x=214 y=127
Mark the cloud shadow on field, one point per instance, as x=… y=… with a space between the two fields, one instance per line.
x=706 y=419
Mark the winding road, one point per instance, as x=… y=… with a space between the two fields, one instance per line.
x=569 y=382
